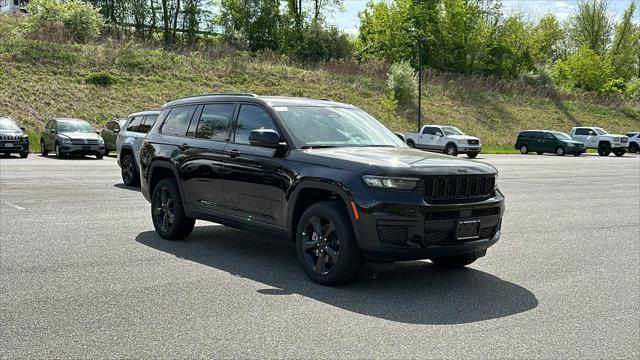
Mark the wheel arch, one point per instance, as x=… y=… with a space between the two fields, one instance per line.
x=159 y=170
x=124 y=150
x=309 y=192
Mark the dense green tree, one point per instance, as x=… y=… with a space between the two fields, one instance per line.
x=546 y=40
x=592 y=26
x=625 y=45
x=250 y=23
x=585 y=69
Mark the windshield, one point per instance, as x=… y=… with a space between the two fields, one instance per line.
x=335 y=126
x=8 y=124
x=451 y=130
x=600 y=131
x=75 y=126
x=562 y=136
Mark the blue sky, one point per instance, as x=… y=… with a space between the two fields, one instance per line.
x=348 y=21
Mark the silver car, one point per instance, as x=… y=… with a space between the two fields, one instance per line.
x=71 y=137
x=128 y=144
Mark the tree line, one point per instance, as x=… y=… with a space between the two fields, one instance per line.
x=591 y=51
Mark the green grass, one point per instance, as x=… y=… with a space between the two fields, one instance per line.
x=99 y=82
x=499 y=149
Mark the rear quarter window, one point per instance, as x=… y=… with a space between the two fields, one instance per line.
x=177 y=121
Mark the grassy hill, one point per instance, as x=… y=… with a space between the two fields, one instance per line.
x=41 y=80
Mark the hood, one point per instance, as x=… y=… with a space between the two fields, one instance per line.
x=80 y=135
x=463 y=137
x=11 y=132
x=395 y=161
x=572 y=142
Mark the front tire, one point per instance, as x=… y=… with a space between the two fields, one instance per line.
x=43 y=149
x=455 y=261
x=472 y=155
x=24 y=155
x=560 y=151
x=130 y=175
x=326 y=247
x=604 y=149
x=524 y=149
x=99 y=156
x=619 y=152
x=167 y=211
x=451 y=150
x=59 y=154
x=634 y=148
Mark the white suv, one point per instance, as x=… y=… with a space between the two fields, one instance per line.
x=634 y=142
x=599 y=138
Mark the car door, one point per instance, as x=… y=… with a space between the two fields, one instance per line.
x=427 y=137
x=439 y=140
x=548 y=142
x=202 y=165
x=535 y=141
x=108 y=134
x=50 y=134
x=592 y=138
x=581 y=135
x=255 y=179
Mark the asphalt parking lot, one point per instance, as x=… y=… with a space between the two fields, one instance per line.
x=84 y=275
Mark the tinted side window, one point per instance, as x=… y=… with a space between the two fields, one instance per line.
x=214 y=122
x=548 y=136
x=147 y=123
x=426 y=131
x=48 y=125
x=582 y=132
x=177 y=121
x=536 y=135
x=251 y=117
x=525 y=134
x=134 y=124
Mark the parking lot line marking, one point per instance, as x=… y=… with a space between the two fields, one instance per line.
x=15 y=206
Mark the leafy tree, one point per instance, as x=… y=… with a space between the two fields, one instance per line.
x=509 y=54
x=322 y=43
x=80 y=22
x=546 y=40
x=592 y=25
x=403 y=82
x=250 y=23
x=585 y=69
x=625 y=45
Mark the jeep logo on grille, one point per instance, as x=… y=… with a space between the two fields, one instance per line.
x=462 y=171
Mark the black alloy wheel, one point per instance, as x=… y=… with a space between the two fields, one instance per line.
x=167 y=211
x=320 y=244
x=129 y=171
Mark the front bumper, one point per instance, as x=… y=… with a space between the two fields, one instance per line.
x=575 y=150
x=395 y=232
x=82 y=149
x=469 y=148
x=14 y=146
x=618 y=145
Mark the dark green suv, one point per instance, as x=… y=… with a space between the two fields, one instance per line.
x=546 y=141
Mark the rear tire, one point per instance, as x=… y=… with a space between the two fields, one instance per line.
x=326 y=247
x=167 y=211
x=43 y=149
x=455 y=261
x=524 y=149
x=129 y=171
x=604 y=149
x=451 y=150
x=411 y=144
x=619 y=152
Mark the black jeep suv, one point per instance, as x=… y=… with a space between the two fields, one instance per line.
x=326 y=175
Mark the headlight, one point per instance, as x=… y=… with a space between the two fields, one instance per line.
x=25 y=136
x=391 y=183
x=616 y=139
x=495 y=183
x=100 y=140
x=66 y=141
x=461 y=141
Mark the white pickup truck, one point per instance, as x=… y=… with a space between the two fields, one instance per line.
x=447 y=139
x=599 y=138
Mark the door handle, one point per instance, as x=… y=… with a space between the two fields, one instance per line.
x=183 y=147
x=234 y=153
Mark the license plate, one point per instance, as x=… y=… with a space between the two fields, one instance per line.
x=8 y=145
x=468 y=229
x=86 y=148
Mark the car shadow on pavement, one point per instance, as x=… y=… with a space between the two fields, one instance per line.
x=127 y=187
x=414 y=292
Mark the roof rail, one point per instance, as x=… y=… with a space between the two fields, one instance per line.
x=218 y=94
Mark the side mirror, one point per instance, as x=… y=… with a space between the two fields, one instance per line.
x=115 y=131
x=440 y=134
x=268 y=138
x=23 y=128
x=53 y=131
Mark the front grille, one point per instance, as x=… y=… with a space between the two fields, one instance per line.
x=459 y=188
x=473 y=142
x=82 y=142
x=578 y=145
x=10 y=137
x=624 y=140
x=392 y=234
x=443 y=238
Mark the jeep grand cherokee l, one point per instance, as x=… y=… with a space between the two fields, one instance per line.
x=326 y=175
x=13 y=138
